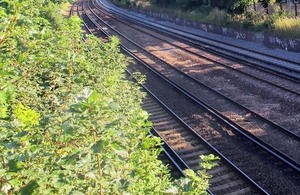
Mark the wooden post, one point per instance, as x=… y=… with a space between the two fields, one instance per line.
x=254 y=5
x=296 y=10
x=280 y=4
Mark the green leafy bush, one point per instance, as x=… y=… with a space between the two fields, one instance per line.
x=70 y=122
x=217 y=16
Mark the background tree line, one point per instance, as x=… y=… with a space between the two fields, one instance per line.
x=234 y=6
x=229 y=13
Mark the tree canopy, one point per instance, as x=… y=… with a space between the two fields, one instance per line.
x=229 y=5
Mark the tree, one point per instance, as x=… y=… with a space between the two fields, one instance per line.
x=239 y=6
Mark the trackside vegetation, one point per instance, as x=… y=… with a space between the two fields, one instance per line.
x=70 y=123
x=240 y=14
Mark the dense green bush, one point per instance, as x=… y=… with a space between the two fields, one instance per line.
x=69 y=121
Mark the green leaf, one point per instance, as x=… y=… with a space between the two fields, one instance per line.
x=67 y=127
x=93 y=97
x=119 y=150
x=91 y=175
x=172 y=190
x=71 y=158
x=3 y=111
x=99 y=146
x=116 y=146
x=78 y=108
x=77 y=193
x=12 y=145
x=2 y=12
x=26 y=116
x=59 y=90
x=29 y=188
x=21 y=58
x=208 y=161
x=114 y=105
x=21 y=134
x=4 y=97
x=15 y=165
x=6 y=73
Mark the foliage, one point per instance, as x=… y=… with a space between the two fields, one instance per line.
x=217 y=16
x=230 y=13
x=70 y=122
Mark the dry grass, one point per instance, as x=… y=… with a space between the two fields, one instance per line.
x=289 y=27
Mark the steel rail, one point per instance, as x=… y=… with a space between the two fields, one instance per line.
x=172 y=155
x=231 y=164
x=71 y=10
x=167 y=149
x=194 y=42
x=281 y=156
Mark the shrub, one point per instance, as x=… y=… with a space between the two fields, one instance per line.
x=69 y=121
x=217 y=16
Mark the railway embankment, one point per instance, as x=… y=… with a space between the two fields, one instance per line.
x=268 y=40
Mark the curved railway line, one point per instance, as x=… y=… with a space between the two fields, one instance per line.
x=241 y=115
x=290 y=89
x=228 y=179
x=204 y=129
x=270 y=79
x=270 y=63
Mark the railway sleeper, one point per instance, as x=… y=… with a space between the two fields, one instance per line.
x=177 y=133
x=170 y=131
x=195 y=154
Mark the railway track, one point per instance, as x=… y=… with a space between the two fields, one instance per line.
x=225 y=140
x=168 y=155
x=270 y=79
x=279 y=165
x=262 y=61
x=263 y=131
x=292 y=93
x=233 y=181
x=188 y=146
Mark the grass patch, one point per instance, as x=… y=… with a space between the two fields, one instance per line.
x=288 y=27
